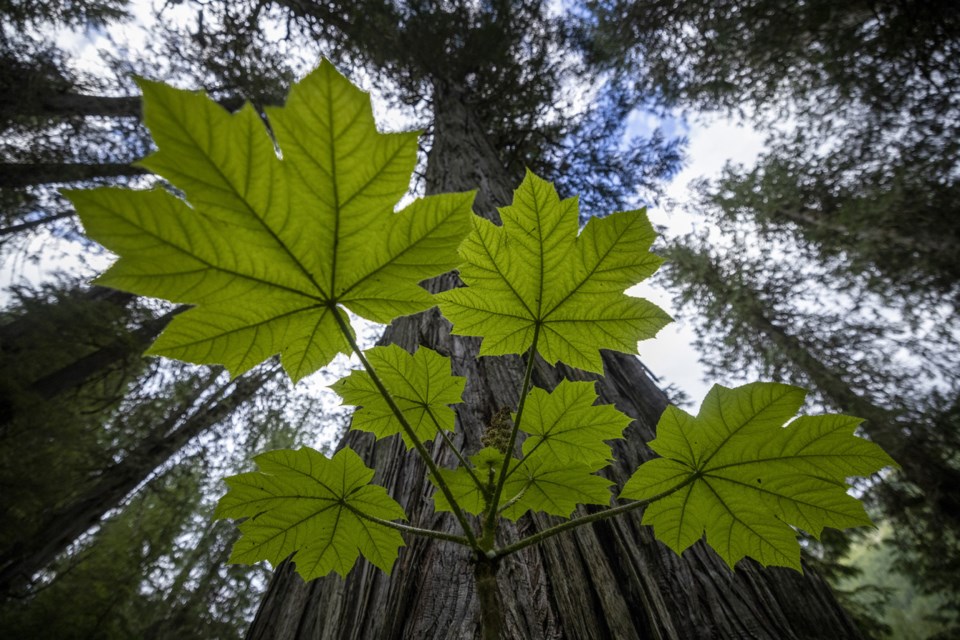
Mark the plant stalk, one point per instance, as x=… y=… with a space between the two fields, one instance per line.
x=407 y=429
x=406 y=528
x=446 y=439
x=490 y=524
x=488 y=593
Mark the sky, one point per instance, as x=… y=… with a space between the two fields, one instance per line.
x=713 y=141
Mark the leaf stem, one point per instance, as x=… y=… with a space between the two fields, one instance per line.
x=587 y=519
x=490 y=524
x=512 y=501
x=407 y=429
x=456 y=452
x=406 y=528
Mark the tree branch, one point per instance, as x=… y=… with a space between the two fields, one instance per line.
x=73 y=105
x=33 y=224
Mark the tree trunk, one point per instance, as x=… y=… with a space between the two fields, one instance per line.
x=56 y=105
x=65 y=524
x=14 y=175
x=608 y=580
x=175 y=613
x=80 y=371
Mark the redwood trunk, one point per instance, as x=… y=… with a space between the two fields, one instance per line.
x=608 y=580
x=55 y=105
x=15 y=175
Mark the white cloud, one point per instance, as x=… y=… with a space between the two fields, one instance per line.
x=714 y=141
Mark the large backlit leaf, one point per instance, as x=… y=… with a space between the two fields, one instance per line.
x=267 y=247
x=543 y=483
x=305 y=503
x=420 y=384
x=534 y=271
x=568 y=426
x=745 y=478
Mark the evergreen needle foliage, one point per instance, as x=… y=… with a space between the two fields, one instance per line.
x=272 y=251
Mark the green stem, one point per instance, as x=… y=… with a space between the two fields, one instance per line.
x=587 y=519
x=456 y=452
x=488 y=593
x=526 y=456
x=512 y=501
x=407 y=429
x=490 y=524
x=406 y=528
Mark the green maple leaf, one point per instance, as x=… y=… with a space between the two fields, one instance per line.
x=537 y=483
x=564 y=446
x=305 y=503
x=471 y=497
x=268 y=248
x=744 y=478
x=543 y=483
x=566 y=425
x=535 y=276
x=421 y=386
